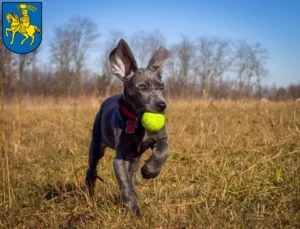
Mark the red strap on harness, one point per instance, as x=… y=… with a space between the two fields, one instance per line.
x=127 y=113
x=133 y=122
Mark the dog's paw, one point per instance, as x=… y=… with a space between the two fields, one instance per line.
x=90 y=181
x=133 y=208
x=148 y=174
x=136 y=211
x=90 y=185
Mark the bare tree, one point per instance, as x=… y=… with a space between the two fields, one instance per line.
x=241 y=65
x=259 y=56
x=61 y=58
x=145 y=44
x=83 y=32
x=69 y=49
x=249 y=67
x=180 y=65
x=60 y=48
x=213 y=57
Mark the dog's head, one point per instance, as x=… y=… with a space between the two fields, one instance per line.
x=143 y=86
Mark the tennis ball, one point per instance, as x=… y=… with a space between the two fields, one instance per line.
x=153 y=122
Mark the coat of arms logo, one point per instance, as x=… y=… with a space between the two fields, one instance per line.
x=21 y=26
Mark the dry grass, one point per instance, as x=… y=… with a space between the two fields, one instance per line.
x=231 y=165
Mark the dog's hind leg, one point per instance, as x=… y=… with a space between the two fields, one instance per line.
x=96 y=152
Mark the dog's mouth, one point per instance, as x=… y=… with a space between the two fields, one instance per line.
x=149 y=108
x=154 y=110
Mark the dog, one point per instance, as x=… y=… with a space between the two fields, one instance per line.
x=118 y=123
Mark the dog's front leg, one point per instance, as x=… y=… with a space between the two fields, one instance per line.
x=132 y=168
x=124 y=178
x=154 y=164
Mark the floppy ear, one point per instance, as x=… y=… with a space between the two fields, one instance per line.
x=159 y=59
x=122 y=60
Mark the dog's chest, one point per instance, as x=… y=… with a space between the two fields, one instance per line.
x=145 y=143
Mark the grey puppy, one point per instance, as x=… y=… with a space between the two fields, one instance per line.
x=117 y=124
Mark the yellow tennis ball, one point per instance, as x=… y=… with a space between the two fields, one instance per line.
x=153 y=122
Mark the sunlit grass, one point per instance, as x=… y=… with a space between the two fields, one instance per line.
x=231 y=165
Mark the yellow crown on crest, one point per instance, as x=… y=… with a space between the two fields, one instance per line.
x=25 y=7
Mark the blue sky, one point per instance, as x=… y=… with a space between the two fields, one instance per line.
x=275 y=24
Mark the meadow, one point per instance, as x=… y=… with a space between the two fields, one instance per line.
x=231 y=165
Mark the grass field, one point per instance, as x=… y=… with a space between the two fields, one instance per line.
x=231 y=165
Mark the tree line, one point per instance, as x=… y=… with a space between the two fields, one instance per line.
x=211 y=67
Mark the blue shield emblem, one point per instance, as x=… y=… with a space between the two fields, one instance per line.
x=22 y=26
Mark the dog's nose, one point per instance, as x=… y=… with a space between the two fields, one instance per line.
x=161 y=106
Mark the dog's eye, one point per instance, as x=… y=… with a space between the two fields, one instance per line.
x=143 y=87
x=162 y=87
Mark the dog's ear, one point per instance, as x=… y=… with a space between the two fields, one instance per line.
x=159 y=59
x=122 y=60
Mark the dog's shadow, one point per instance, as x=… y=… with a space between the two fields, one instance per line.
x=74 y=195
x=60 y=191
